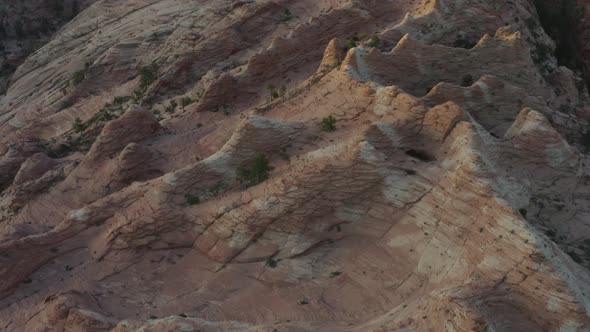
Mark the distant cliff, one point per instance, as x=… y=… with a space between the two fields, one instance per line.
x=26 y=25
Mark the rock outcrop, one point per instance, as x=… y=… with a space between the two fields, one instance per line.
x=367 y=165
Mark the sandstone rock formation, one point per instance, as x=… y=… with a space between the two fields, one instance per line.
x=273 y=165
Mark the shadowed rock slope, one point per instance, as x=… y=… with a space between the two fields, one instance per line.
x=333 y=165
x=27 y=25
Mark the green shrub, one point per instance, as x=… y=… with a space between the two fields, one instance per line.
x=185 y=101
x=273 y=91
x=78 y=77
x=172 y=107
x=256 y=173
x=217 y=189
x=103 y=115
x=120 y=100
x=271 y=263
x=374 y=41
x=329 y=123
x=286 y=15
x=148 y=75
x=350 y=43
x=467 y=80
x=191 y=199
x=78 y=126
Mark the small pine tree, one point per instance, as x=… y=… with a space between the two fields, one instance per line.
x=329 y=123
x=78 y=126
x=272 y=91
x=185 y=101
x=256 y=173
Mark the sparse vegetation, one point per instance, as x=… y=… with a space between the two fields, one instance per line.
x=185 y=101
x=172 y=106
x=335 y=274
x=78 y=77
x=272 y=90
x=271 y=263
x=256 y=173
x=192 y=199
x=148 y=75
x=120 y=100
x=467 y=80
x=329 y=123
x=218 y=188
x=350 y=43
x=286 y=15
x=109 y=112
x=78 y=126
x=374 y=41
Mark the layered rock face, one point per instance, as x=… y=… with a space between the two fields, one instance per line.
x=325 y=165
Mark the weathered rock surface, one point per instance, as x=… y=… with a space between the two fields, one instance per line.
x=190 y=179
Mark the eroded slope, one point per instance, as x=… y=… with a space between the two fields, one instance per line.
x=185 y=182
